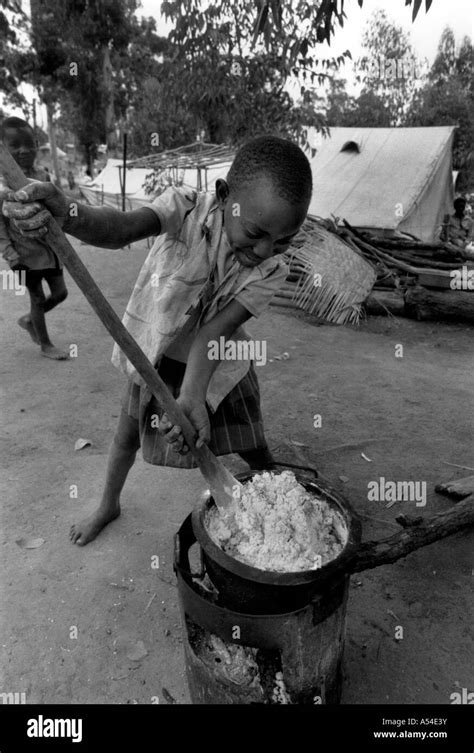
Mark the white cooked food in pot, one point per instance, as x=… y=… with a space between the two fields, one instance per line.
x=278 y=525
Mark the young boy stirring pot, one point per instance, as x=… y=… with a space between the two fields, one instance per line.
x=214 y=265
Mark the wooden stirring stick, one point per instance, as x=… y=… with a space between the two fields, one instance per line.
x=221 y=482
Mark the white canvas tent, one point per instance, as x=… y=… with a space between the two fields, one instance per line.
x=106 y=188
x=385 y=179
x=46 y=149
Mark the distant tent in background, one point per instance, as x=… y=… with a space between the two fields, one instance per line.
x=46 y=149
x=384 y=179
x=106 y=188
x=196 y=166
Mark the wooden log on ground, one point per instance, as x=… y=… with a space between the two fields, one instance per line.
x=384 y=302
x=414 y=536
x=454 y=305
x=459 y=488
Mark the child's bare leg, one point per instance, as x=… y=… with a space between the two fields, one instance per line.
x=121 y=458
x=38 y=321
x=58 y=294
x=26 y=323
x=58 y=291
x=31 y=279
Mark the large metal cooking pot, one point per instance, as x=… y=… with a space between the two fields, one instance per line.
x=254 y=591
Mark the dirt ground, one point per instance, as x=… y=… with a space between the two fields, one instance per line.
x=100 y=625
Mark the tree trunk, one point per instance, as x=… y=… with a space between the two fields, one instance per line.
x=110 y=135
x=52 y=144
x=90 y=160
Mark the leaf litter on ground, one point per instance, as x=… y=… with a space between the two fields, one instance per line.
x=81 y=443
x=30 y=543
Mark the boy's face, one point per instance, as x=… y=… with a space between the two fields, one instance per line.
x=258 y=223
x=21 y=145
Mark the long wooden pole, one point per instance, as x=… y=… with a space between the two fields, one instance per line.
x=124 y=176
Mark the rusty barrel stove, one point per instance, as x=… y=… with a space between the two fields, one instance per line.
x=294 y=621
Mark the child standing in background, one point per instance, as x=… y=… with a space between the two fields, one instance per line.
x=31 y=257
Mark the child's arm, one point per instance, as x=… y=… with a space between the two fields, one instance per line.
x=99 y=226
x=110 y=228
x=470 y=230
x=199 y=369
x=7 y=249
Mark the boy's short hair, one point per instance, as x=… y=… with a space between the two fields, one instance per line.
x=282 y=161
x=15 y=123
x=460 y=201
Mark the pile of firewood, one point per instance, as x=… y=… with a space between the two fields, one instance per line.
x=413 y=278
x=404 y=260
x=424 y=281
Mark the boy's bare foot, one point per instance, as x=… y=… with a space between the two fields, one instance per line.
x=50 y=351
x=86 y=530
x=26 y=323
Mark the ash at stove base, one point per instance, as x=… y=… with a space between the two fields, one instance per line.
x=271 y=677
x=239 y=669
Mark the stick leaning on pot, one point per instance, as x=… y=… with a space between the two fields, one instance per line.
x=221 y=481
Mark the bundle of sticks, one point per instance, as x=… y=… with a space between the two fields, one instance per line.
x=400 y=260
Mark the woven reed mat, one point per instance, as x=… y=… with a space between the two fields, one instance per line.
x=326 y=277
